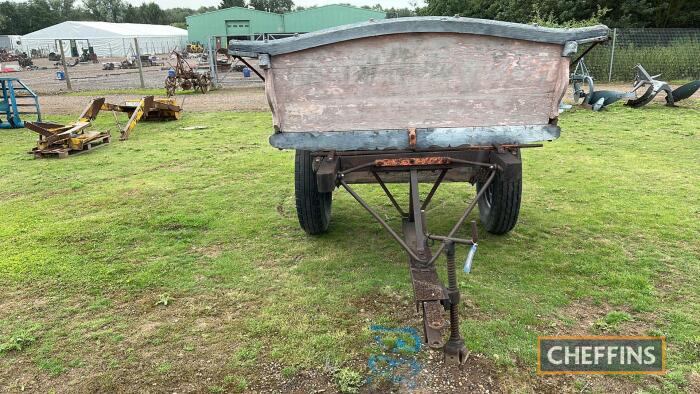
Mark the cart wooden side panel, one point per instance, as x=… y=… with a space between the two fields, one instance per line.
x=427 y=80
x=417 y=83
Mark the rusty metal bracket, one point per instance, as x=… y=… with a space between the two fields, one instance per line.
x=250 y=67
x=414 y=161
x=593 y=45
x=412 y=138
x=437 y=183
x=327 y=173
x=389 y=195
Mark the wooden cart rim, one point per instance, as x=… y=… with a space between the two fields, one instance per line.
x=425 y=24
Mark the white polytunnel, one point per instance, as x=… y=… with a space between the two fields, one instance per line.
x=107 y=39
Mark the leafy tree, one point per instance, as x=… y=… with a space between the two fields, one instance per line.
x=151 y=13
x=376 y=7
x=22 y=17
x=25 y=17
x=177 y=15
x=399 y=12
x=28 y=16
x=231 y=3
x=63 y=9
x=204 y=9
x=131 y=14
x=616 y=13
x=105 y=10
x=277 y=6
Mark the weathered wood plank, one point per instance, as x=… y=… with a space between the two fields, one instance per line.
x=418 y=80
x=430 y=24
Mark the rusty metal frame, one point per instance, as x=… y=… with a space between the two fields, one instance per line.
x=414 y=195
x=431 y=297
x=584 y=53
x=249 y=66
x=430 y=195
x=389 y=195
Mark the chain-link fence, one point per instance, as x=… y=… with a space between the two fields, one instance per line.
x=104 y=69
x=674 y=53
x=227 y=71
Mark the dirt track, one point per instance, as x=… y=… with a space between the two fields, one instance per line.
x=239 y=99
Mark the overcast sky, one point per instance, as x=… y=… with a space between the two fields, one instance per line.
x=198 y=3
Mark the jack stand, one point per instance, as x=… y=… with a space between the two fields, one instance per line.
x=455 y=352
x=429 y=294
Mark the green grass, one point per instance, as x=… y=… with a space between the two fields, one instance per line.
x=174 y=247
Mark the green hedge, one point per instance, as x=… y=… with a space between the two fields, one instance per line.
x=675 y=60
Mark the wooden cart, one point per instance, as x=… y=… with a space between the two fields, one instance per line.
x=418 y=100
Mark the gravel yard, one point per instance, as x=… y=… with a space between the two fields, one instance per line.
x=229 y=99
x=89 y=76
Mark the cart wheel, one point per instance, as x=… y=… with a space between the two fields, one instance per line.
x=203 y=83
x=313 y=207
x=170 y=86
x=500 y=204
x=206 y=86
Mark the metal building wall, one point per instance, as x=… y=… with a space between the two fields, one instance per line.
x=213 y=24
x=201 y=27
x=327 y=16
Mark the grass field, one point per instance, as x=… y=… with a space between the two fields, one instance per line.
x=173 y=262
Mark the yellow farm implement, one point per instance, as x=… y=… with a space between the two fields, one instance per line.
x=148 y=108
x=63 y=140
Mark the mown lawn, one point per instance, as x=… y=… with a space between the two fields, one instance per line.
x=174 y=262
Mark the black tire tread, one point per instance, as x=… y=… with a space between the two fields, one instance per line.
x=505 y=206
x=313 y=208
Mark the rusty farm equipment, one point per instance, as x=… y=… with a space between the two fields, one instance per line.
x=16 y=101
x=22 y=59
x=584 y=92
x=355 y=104
x=183 y=76
x=147 y=108
x=655 y=86
x=64 y=140
x=194 y=48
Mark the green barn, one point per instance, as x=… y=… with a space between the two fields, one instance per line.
x=249 y=24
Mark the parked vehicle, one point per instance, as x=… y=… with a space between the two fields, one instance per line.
x=418 y=100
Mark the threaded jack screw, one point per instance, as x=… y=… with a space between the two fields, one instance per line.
x=455 y=353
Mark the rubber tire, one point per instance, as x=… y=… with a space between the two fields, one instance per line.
x=500 y=205
x=313 y=207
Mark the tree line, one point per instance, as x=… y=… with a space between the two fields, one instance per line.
x=31 y=15
x=614 y=13
x=28 y=16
